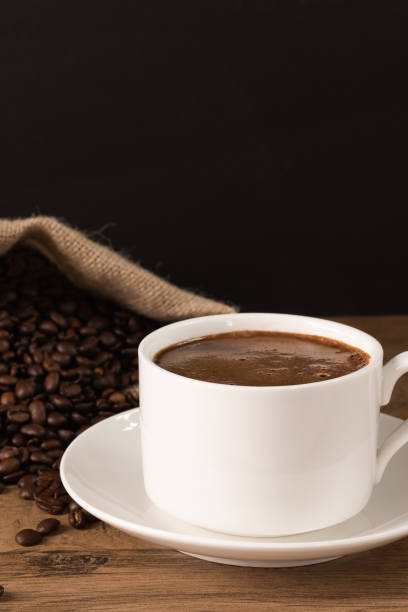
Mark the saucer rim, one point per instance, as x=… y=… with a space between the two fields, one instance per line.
x=241 y=543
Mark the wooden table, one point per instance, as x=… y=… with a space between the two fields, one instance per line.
x=102 y=569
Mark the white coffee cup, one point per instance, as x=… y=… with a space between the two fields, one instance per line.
x=264 y=461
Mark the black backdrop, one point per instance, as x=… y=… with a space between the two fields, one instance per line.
x=255 y=151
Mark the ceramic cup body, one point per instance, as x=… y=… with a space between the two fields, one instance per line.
x=259 y=461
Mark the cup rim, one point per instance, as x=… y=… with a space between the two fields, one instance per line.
x=265 y=388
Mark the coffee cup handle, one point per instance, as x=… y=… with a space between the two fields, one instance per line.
x=392 y=371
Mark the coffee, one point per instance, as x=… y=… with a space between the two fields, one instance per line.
x=261 y=358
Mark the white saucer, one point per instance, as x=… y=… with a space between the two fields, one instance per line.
x=101 y=470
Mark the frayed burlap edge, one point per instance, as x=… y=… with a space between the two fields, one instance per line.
x=100 y=270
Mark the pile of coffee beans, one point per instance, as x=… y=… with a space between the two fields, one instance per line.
x=67 y=360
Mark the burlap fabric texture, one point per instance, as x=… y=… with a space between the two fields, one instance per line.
x=100 y=270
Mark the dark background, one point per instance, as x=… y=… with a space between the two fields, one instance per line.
x=255 y=151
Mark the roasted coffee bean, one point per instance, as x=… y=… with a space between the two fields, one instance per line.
x=52 y=444
x=108 y=338
x=8 y=451
x=25 y=388
x=47 y=526
x=102 y=382
x=48 y=327
x=77 y=519
x=33 y=429
x=7 y=466
x=56 y=419
x=38 y=411
x=62 y=359
x=129 y=352
x=87 y=331
x=62 y=403
x=18 y=414
x=49 y=504
x=66 y=435
x=117 y=398
x=55 y=454
x=1 y=590
x=28 y=537
x=69 y=374
x=58 y=318
x=7 y=379
x=78 y=418
x=51 y=382
x=35 y=370
x=67 y=348
x=40 y=457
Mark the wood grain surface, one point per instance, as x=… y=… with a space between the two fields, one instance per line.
x=102 y=569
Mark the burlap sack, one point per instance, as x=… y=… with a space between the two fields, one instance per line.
x=98 y=269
